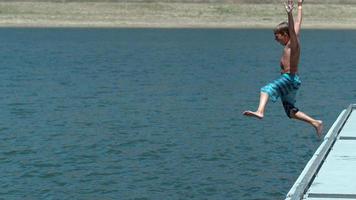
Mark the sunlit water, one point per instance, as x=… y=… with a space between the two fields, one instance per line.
x=156 y=113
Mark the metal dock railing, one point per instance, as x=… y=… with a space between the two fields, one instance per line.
x=331 y=172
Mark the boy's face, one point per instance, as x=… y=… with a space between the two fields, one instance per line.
x=282 y=38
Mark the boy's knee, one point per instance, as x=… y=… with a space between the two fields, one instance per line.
x=290 y=109
x=292 y=113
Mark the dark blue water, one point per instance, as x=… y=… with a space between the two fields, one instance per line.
x=156 y=114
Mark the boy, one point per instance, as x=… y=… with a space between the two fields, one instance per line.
x=286 y=86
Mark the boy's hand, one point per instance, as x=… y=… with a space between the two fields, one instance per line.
x=289 y=5
x=300 y=2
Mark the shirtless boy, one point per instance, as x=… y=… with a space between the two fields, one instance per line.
x=287 y=85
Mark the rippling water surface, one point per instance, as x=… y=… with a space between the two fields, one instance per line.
x=156 y=113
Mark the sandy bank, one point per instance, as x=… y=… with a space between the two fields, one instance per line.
x=169 y=15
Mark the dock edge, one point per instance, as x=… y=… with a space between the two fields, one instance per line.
x=308 y=174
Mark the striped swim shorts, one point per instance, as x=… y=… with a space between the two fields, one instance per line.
x=286 y=87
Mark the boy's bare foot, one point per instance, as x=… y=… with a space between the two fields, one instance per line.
x=318 y=124
x=253 y=114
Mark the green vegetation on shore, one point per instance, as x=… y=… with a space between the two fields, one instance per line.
x=195 y=13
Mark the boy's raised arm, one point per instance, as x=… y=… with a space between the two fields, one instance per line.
x=294 y=43
x=298 y=21
x=291 y=25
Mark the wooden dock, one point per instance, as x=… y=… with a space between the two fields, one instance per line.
x=331 y=172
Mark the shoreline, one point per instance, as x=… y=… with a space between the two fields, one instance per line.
x=169 y=15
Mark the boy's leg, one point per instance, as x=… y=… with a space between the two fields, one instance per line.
x=270 y=91
x=317 y=124
x=293 y=112
x=261 y=107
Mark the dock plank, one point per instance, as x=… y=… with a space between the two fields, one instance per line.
x=337 y=175
x=349 y=129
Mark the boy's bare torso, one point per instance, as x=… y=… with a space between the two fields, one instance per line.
x=287 y=66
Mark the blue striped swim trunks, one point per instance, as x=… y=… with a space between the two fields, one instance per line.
x=286 y=85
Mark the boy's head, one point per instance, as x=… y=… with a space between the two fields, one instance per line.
x=281 y=33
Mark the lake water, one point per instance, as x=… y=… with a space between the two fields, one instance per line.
x=156 y=113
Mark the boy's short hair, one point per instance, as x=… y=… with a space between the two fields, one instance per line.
x=282 y=28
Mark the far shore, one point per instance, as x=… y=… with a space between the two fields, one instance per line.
x=170 y=15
